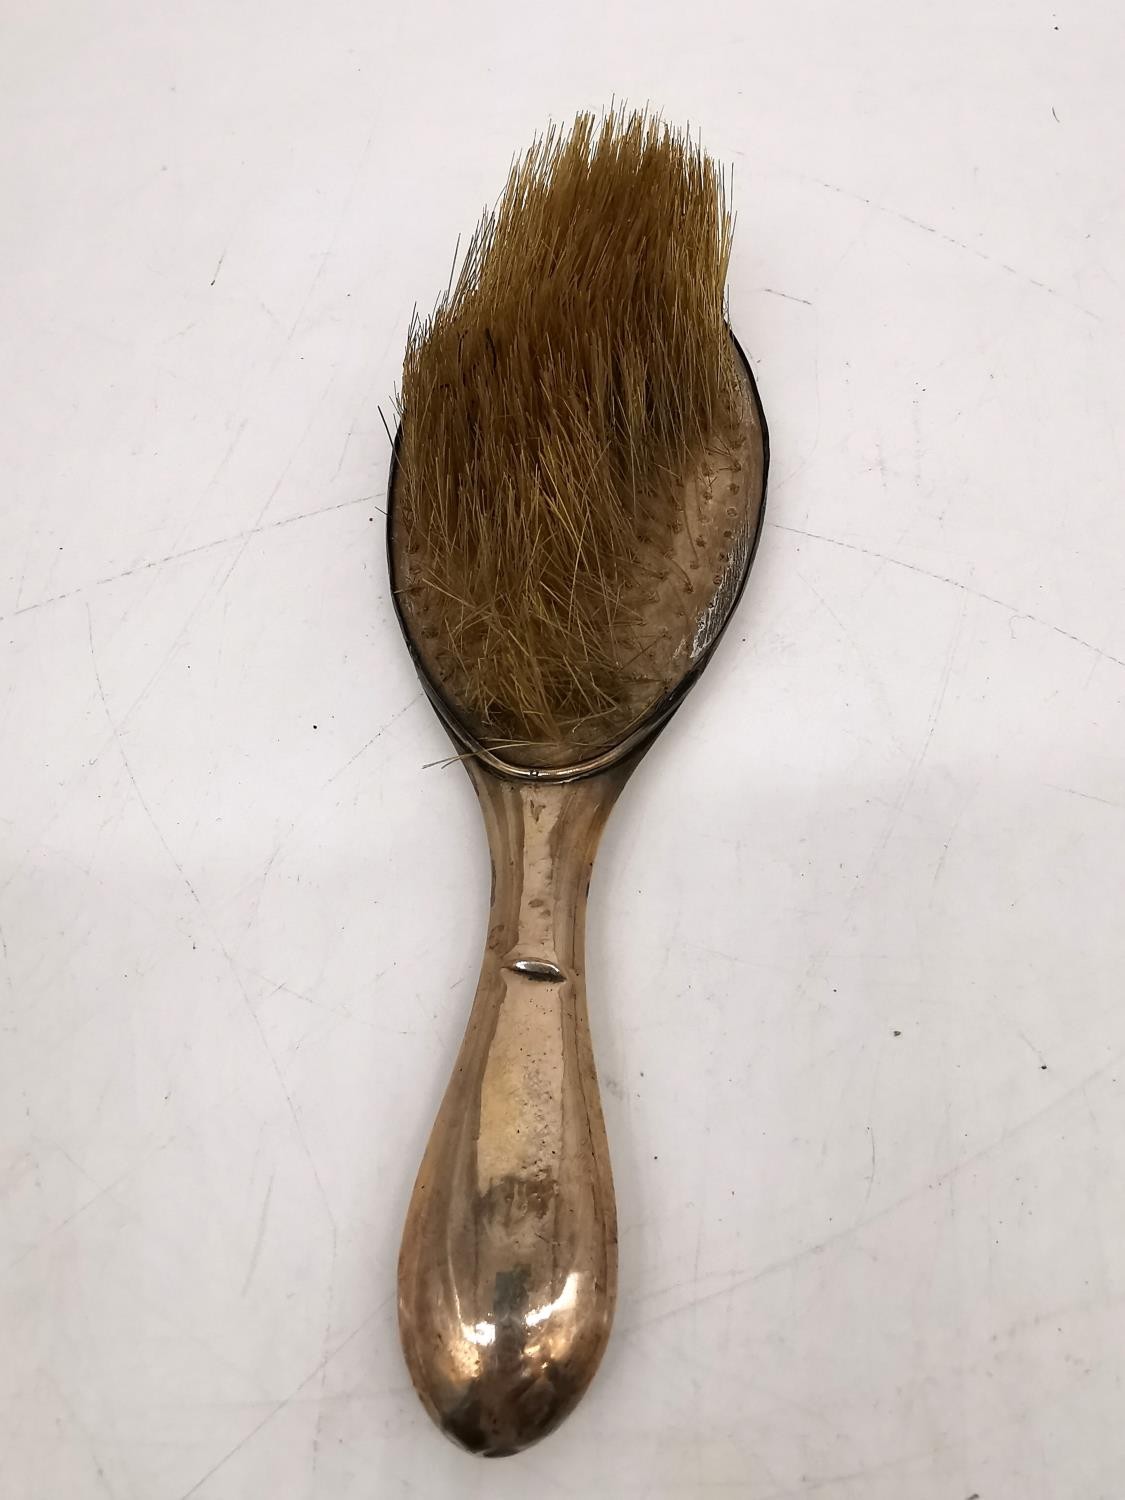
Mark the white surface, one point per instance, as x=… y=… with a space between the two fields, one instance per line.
x=857 y=942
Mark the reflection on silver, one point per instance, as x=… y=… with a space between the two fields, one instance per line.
x=564 y=1302
x=538 y=968
x=479 y=1333
x=713 y=618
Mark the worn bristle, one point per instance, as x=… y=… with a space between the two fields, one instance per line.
x=551 y=408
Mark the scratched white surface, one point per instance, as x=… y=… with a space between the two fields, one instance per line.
x=857 y=943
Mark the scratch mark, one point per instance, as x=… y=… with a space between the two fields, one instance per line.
x=316 y=1178
x=840 y=1236
x=809 y=1485
x=789 y=297
x=218 y=267
x=826 y=606
x=90 y=1203
x=129 y=769
x=263 y=879
x=283 y=1086
x=228 y=454
x=279 y=987
x=225 y=952
x=919 y=760
x=1031 y=1047
x=285 y=1401
x=208 y=594
x=894 y=213
x=344 y=207
x=944 y=855
x=77 y=1165
x=329 y=1304
x=259 y=1237
x=363 y=407
x=182 y=332
x=871 y=1175
x=23 y=577
x=7 y=963
x=1072 y=791
x=363 y=749
x=170 y=557
x=805 y=462
x=87 y=1435
x=881 y=465
x=955 y=583
x=281 y=478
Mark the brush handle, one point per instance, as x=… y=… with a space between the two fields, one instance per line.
x=508 y=1268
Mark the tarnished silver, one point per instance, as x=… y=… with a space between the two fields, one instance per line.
x=508 y=1267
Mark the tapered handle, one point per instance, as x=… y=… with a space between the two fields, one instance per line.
x=508 y=1268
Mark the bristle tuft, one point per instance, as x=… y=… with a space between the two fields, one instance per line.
x=551 y=409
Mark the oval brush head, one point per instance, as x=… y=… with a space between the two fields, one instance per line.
x=580 y=459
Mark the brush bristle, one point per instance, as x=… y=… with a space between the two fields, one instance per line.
x=552 y=408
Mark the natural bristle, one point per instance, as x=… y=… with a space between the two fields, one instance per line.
x=553 y=408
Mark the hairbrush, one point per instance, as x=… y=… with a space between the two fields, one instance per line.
x=576 y=495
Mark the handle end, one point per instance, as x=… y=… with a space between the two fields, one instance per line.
x=500 y=1384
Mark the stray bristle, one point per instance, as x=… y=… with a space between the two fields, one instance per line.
x=552 y=408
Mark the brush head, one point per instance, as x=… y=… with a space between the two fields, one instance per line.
x=581 y=457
